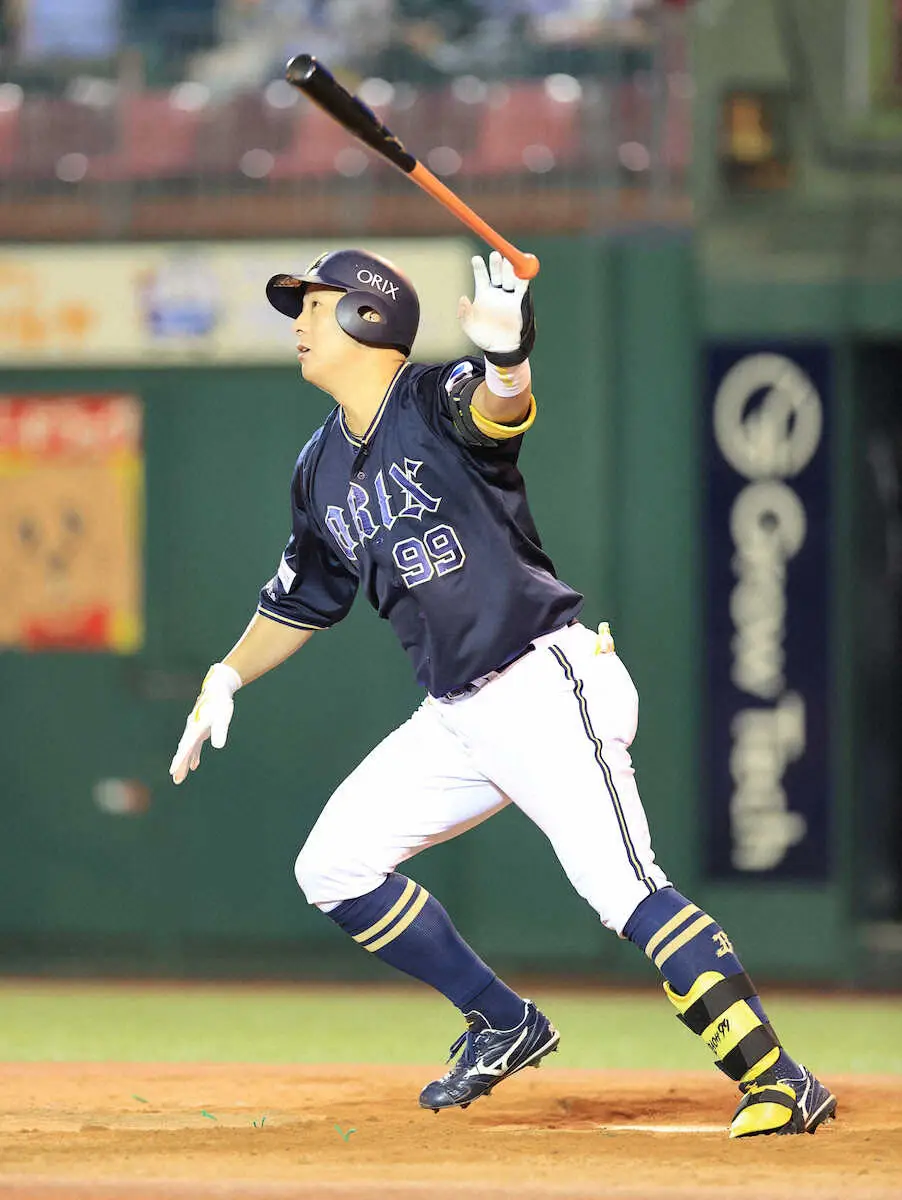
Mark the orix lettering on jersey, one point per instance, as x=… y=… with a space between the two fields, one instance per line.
x=400 y=516
x=366 y=514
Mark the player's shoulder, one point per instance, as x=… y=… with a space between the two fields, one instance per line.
x=433 y=378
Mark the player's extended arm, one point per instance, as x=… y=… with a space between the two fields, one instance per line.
x=499 y=319
x=262 y=646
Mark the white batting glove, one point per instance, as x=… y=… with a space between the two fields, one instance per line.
x=499 y=318
x=209 y=718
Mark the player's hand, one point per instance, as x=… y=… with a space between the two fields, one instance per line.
x=499 y=318
x=209 y=718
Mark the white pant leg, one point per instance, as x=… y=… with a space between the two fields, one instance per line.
x=417 y=788
x=553 y=733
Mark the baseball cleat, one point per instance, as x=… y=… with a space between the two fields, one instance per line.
x=489 y=1056
x=782 y=1106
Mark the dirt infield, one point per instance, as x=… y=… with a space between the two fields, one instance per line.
x=174 y=1132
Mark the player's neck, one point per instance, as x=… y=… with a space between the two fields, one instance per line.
x=362 y=391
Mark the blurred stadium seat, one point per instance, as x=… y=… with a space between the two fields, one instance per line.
x=9 y=135
x=242 y=136
x=319 y=148
x=53 y=132
x=157 y=140
x=519 y=128
x=526 y=126
x=634 y=111
x=477 y=130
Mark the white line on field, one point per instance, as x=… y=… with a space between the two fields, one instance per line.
x=663 y=1128
x=608 y=1129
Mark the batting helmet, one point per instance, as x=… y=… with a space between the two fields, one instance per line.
x=371 y=283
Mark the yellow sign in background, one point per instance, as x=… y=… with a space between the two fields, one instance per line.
x=71 y=523
x=172 y=303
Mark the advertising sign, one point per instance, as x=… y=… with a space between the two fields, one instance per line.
x=71 y=489
x=202 y=303
x=767 y=599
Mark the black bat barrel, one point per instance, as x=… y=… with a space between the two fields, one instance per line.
x=312 y=78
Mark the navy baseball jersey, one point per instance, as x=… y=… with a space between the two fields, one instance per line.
x=431 y=520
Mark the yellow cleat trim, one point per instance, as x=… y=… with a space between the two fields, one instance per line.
x=767 y=1117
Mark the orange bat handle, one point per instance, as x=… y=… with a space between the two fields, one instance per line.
x=526 y=266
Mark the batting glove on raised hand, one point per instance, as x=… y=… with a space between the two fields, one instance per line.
x=499 y=318
x=209 y=718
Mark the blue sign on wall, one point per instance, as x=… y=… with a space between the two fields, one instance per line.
x=768 y=806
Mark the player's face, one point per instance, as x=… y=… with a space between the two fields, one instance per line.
x=322 y=345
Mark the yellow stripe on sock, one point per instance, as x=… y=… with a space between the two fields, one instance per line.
x=666 y=930
x=389 y=916
x=681 y=939
x=396 y=931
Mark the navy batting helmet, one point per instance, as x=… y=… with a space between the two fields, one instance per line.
x=371 y=283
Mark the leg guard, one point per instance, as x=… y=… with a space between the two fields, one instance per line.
x=746 y=1048
x=716 y=1008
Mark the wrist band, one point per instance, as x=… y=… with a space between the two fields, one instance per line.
x=228 y=675
x=495 y=429
x=508 y=381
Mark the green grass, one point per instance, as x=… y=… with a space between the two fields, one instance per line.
x=79 y=1022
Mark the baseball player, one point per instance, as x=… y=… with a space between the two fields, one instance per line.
x=410 y=492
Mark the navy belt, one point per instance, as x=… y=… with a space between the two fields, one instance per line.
x=474 y=685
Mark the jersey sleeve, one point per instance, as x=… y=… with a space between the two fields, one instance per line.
x=312 y=588
x=448 y=389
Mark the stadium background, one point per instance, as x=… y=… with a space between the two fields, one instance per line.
x=700 y=181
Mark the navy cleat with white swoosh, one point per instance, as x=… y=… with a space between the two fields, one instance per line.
x=488 y=1056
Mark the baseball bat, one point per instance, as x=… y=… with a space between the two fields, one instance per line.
x=312 y=78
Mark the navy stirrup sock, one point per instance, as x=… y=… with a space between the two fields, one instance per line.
x=405 y=926
x=692 y=952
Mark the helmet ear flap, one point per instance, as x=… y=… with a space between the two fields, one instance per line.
x=354 y=313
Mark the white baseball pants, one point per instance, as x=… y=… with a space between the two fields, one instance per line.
x=549 y=734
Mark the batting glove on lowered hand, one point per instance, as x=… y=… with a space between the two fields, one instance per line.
x=499 y=318
x=209 y=718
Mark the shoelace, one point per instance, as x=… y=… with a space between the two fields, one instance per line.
x=469 y=1042
x=457 y=1045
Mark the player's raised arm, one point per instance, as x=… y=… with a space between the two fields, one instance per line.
x=262 y=646
x=500 y=321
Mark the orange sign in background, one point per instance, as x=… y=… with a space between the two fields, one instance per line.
x=71 y=522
